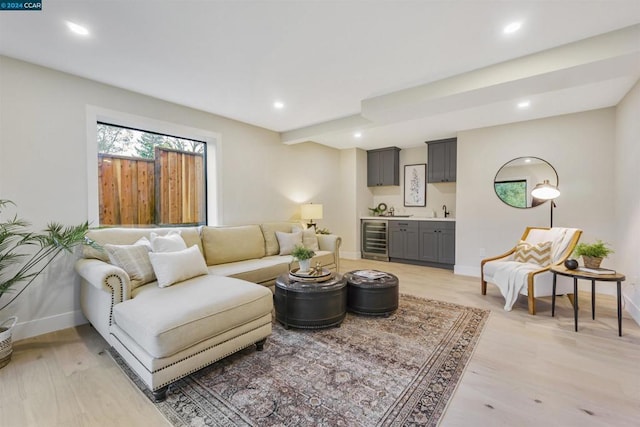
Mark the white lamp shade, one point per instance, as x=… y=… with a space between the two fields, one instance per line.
x=311 y=211
x=545 y=191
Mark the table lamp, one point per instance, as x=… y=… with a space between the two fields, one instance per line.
x=311 y=211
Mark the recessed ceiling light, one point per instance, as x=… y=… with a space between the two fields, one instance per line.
x=278 y=105
x=512 y=27
x=77 y=28
x=524 y=104
x=357 y=134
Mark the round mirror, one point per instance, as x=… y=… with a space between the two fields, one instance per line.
x=515 y=180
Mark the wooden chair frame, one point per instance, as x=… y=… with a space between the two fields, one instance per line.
x=531 y=275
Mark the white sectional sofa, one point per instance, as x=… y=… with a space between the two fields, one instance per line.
x=168 y=327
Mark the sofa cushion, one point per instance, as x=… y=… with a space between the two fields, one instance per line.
x=174 y=267
x=156 y=318
x=262 y=270
x=229 y=244
x=288 y=241
x=128 y=236
x=269 y=231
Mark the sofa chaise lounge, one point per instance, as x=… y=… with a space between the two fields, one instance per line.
x=165 y=331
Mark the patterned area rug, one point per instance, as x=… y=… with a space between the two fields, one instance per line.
x=372 y=371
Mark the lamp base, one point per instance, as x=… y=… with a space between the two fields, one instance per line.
x=311 y=224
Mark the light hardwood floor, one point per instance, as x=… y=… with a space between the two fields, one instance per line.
x=526 y=370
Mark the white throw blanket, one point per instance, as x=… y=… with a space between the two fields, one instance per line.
x=511 y=278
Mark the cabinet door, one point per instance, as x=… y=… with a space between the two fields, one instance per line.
x=442 y=160
x=447 y=246
x=389 y=167
x=428 y=241
x=451 y=161
x=373 y=168
x=412 y=241
x=383 y=167
x=396 y=240
x=436 y=161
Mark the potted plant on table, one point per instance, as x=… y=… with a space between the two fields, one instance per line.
x=593 y=253
x=303 y=255
x=24 y=255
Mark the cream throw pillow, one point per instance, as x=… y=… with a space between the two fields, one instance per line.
x=134 y=260
x=174 y=267
x=309 y=238
x=170 y=242
x=539 y=253
x=288 y=241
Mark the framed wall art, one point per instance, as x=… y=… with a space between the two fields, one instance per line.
x=415 y=185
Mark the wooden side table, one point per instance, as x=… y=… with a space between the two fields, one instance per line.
x=577 y=274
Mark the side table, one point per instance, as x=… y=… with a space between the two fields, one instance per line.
x=310 y=305
x=577 y=274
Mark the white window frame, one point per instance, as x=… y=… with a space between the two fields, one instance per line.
x=214 y=156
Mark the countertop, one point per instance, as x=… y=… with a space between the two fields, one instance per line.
x=411 y=218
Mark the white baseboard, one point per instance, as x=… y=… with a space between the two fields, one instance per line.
x=631 y=297
x=466 y=270
x=45 y=325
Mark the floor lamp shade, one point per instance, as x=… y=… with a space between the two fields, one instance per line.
x=546 y=191
x=311 y=211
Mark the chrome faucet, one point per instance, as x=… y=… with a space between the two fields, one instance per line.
x=444 y=208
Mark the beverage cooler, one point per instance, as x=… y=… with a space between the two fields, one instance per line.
x=375 y=235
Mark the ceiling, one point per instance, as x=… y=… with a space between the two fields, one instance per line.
x=398 y=72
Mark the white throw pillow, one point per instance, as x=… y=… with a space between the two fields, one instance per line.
x=174 y=267
x=309 y=238
x=171 y=242
x=144 y=242
x=288 y=241
x=134 y=260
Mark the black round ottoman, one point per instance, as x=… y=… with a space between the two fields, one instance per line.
x=372 y=292
x=310 y=305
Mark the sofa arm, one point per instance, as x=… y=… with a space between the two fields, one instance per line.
x=331 y=242
x=105 y=277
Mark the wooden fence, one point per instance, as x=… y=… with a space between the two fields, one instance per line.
x=169 y=189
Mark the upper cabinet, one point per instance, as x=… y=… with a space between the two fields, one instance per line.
x=383 y=167
x=441 y=163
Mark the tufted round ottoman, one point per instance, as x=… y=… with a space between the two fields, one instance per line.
x=372 y=292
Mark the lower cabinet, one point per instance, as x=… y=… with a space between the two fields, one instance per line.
x=438 y=242
x=430 y=243
x=404 y=240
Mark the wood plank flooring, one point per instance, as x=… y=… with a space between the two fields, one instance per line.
x=526 y=370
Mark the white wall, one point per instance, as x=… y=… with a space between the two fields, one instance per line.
x=627 y=196
x=43 y=168
x=579 y=146
x=437 y=194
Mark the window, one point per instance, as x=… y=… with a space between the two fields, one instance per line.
x=513 y=193
x=149 y=178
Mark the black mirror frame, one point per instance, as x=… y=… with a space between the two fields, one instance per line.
x=534 y=203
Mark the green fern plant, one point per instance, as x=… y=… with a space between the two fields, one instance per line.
x=599 y=249
x=25 y=254
x=301 y=253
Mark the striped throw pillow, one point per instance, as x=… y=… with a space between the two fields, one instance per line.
x=134 y=260
x=539 y=253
